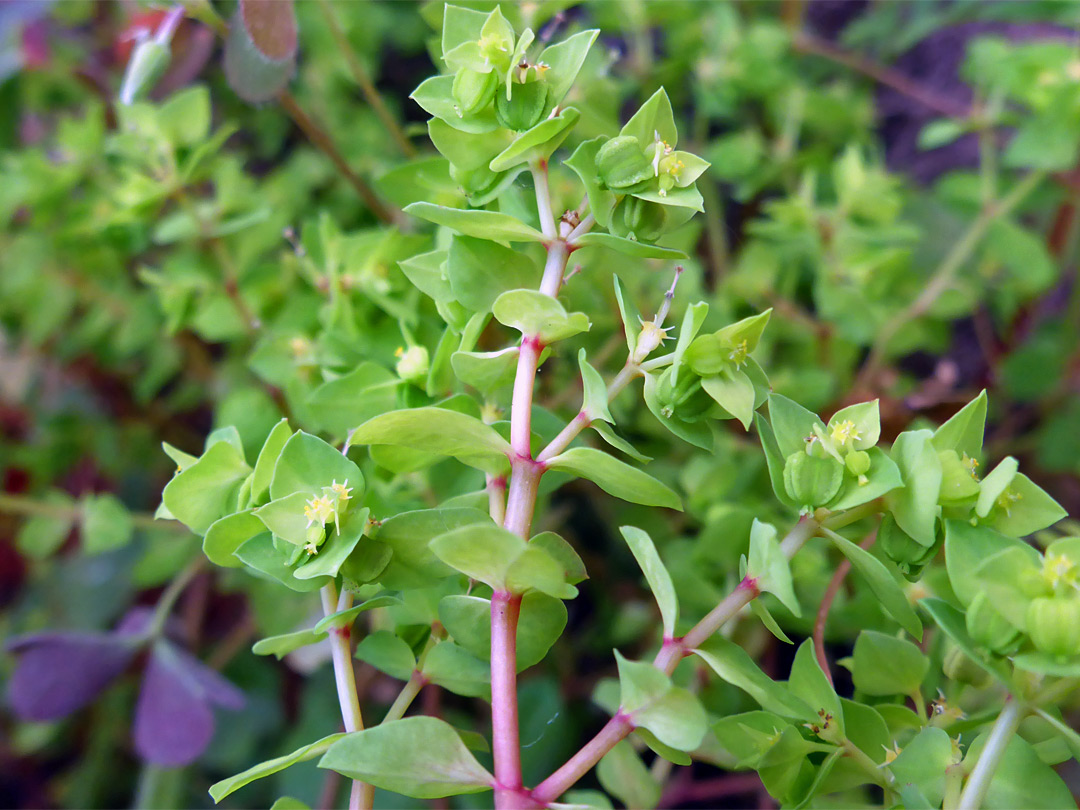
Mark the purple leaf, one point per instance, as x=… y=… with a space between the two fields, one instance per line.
x=58 y=673
x=173 y=719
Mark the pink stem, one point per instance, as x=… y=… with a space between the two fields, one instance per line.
x=505 y=608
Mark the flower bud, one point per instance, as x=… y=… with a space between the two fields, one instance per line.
x=473 y=90
x=148 y=62
x=524 y=108
x=1053 y=624
x=857 y=462
x=682 y=394
x=810 y=481
x=622 y=165
x=988 y=628
x=414 y=363
x=910 y=556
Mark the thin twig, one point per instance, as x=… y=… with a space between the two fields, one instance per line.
x=826 y=604
x=364 y=82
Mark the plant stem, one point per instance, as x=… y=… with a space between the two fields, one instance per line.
x=172 y=592
x=25 y=505
x=361 y=795
x=946 y=272
x=543 y=198
x=673 y=651
x=979 y=782
x=364 y=82
x=582 y=420
x=322 y=140
x=505 y=609
x=405 y=697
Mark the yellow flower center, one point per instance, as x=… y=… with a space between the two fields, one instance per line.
x=1059 y=570
x=738 y=354
x=319 y=510
x=1007 y=498
x=845 y=432
x=972 y=465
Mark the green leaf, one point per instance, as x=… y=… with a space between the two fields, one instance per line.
x=652 y=702
x=688 y=197
x=583 y=163
x=923 y=762
x=951 y=621
x=967 y=546
x=628 y=247
x=656 y=574
x=541 y=622
x=768 y=565
x=460 y=25
x=791 y=424
x=964 y=431
x=206 y=490
x=486 y=371
x=881 y=581
x=307 y=464
x=225 y=787
x=268 y=456
x=1021 y=779
x=387 y=653
x=653 y=118
x=618 y=442
x=440 y=431
x=502 y=560
x=615 y=477
x=344 y=618
x=535 y=314
x=561 y=551
x=594 y=399
x=735 y=666
x=915 y=506
x=480 y=271
x=882 y=477
x=994 y=484
x=284 y=517
x=1031 y=511
x=41 y=535
x=409 y=535
x=538 y=142
x=452 y=667
x=337 y=406
x=282 y=645
x=227 y=534
x=420 y=757
x=261 y=554
x=886 y=665
x=866 y=419
x=482 y=224
x=808 y=683
x=106 y=524
x=564 y=60
x=734 y=392
x=436 y=97
x=631 y=318
x=758 y=608
x=337 y=547
x=622 y=774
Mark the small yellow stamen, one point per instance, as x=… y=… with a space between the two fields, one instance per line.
x=738 y=354
x=1007 y=498
x=845 y=432
x=1059 y=570
x=972 y=465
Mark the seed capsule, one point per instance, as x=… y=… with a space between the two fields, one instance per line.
x=525 y=107
x=1053 y=624
x=473 y=90
x=622 y=165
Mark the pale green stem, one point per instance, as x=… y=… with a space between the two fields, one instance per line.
x=982 y=775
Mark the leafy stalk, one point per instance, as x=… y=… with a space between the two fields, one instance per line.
x=982 y=775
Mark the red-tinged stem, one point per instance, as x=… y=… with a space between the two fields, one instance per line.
x=672 y=651
x=361 y=795
x=505 y=608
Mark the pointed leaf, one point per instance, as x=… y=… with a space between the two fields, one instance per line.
x=656 y=574
x=616 y=477
x=481 y=224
